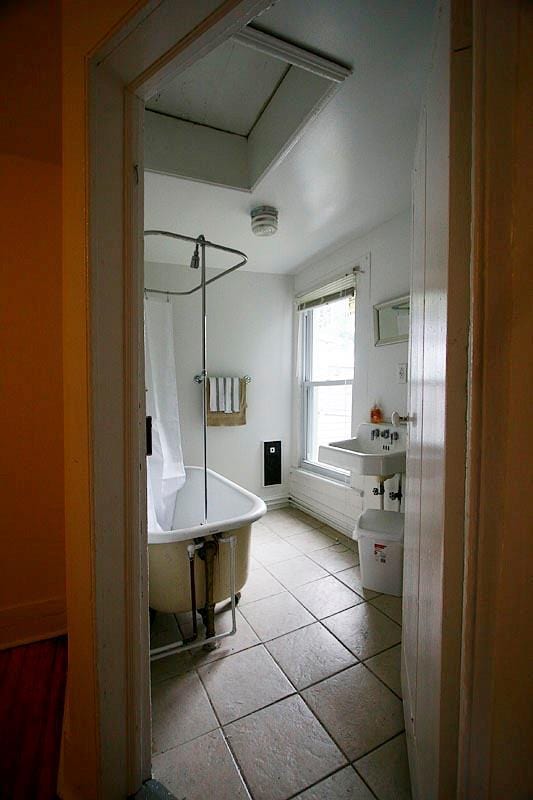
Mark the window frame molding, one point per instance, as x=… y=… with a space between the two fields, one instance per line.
x=306 y=386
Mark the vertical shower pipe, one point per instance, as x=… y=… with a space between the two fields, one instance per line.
x=201 y=239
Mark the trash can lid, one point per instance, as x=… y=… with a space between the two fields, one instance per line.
x=388 y=523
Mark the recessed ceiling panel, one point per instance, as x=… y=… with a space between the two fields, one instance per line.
x=227 y=89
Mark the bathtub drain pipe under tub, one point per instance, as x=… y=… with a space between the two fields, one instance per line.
x=210 y=641
x=209 y=552
x=192 y=566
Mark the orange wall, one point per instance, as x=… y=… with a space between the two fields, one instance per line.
x=85 y=24
x=32 y=588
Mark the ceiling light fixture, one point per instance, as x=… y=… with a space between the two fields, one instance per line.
x=264 y=220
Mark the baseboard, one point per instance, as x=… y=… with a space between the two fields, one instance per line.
x=333 y=522
x=335 y=504
x=277 y=502
x=33 y=622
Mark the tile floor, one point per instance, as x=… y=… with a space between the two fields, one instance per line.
x=304 y=702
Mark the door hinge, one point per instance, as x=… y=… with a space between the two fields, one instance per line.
x=148 y=436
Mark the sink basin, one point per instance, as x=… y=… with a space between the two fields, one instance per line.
x=364 y=455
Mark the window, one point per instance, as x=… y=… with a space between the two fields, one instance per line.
x=328 y=331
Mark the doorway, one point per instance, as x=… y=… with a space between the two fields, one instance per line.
x=104 y=357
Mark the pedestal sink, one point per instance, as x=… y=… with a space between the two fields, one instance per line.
x=378 y=449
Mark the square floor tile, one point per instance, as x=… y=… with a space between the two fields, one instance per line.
x=167 y=667
x=277 y=514
x=164 y=630
x=203 y=768
x=276 y=615
x=357 y=710
x=262 y=534
x=343 y=785
x=311 y=540
x=282 y=749
x=352 y=578
x=387 y=666
x=386 y=770
x=364 y=630
x=310 y=654
x=391 y=606
x=279 y=517
x=297 y=571
x=334 y=534
x=181 y=711
x=336 y=558
x=244 y=682
x=260 y=584
x=326 y=596
x=287 y=526
x=307 y=518
x=244 y=637
x=270 y=552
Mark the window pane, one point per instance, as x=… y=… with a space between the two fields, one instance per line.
x=332 y=341
x=329 y=416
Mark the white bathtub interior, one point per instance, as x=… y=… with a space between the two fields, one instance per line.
x=229 y=506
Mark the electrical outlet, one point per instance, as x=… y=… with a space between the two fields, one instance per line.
x=402 y=373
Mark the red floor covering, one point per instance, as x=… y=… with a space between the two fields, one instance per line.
x=32 y=693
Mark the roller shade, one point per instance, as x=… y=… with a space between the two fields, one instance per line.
x=328 y=293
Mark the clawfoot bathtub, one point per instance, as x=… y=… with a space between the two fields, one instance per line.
x=231 y=510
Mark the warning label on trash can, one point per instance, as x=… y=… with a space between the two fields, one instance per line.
x=379 y=553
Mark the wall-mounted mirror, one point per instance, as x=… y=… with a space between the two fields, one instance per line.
x=391 y=321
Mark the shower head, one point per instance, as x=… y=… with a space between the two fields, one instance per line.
x=195 y=260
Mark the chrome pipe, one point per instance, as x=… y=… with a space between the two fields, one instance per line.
x=199 y=240
x=204 y=372
x=180 y=647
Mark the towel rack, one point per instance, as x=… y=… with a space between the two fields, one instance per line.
x=200 y=378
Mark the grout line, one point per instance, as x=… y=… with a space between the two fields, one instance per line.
x=373 y=749
x=223 y=732
x=237 y=765
x=187 y=741
x=379 y=678
x=320 y=620
x=330 y=775
x=321 y=680
x=195 y=667
x=351 y=761
x=385 y=612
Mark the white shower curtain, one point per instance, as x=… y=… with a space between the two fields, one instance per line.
x=166 y=471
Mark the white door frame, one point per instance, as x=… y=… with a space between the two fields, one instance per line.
x=152 y=46
x=164 y=37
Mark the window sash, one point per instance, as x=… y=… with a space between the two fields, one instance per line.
x=307 y=387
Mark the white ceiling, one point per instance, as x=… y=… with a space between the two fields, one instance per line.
x=351 y=169
x=245 y=80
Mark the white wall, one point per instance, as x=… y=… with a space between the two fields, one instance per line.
x=249 y=333
x=385 y=255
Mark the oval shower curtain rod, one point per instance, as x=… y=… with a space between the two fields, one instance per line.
x=199 y=241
